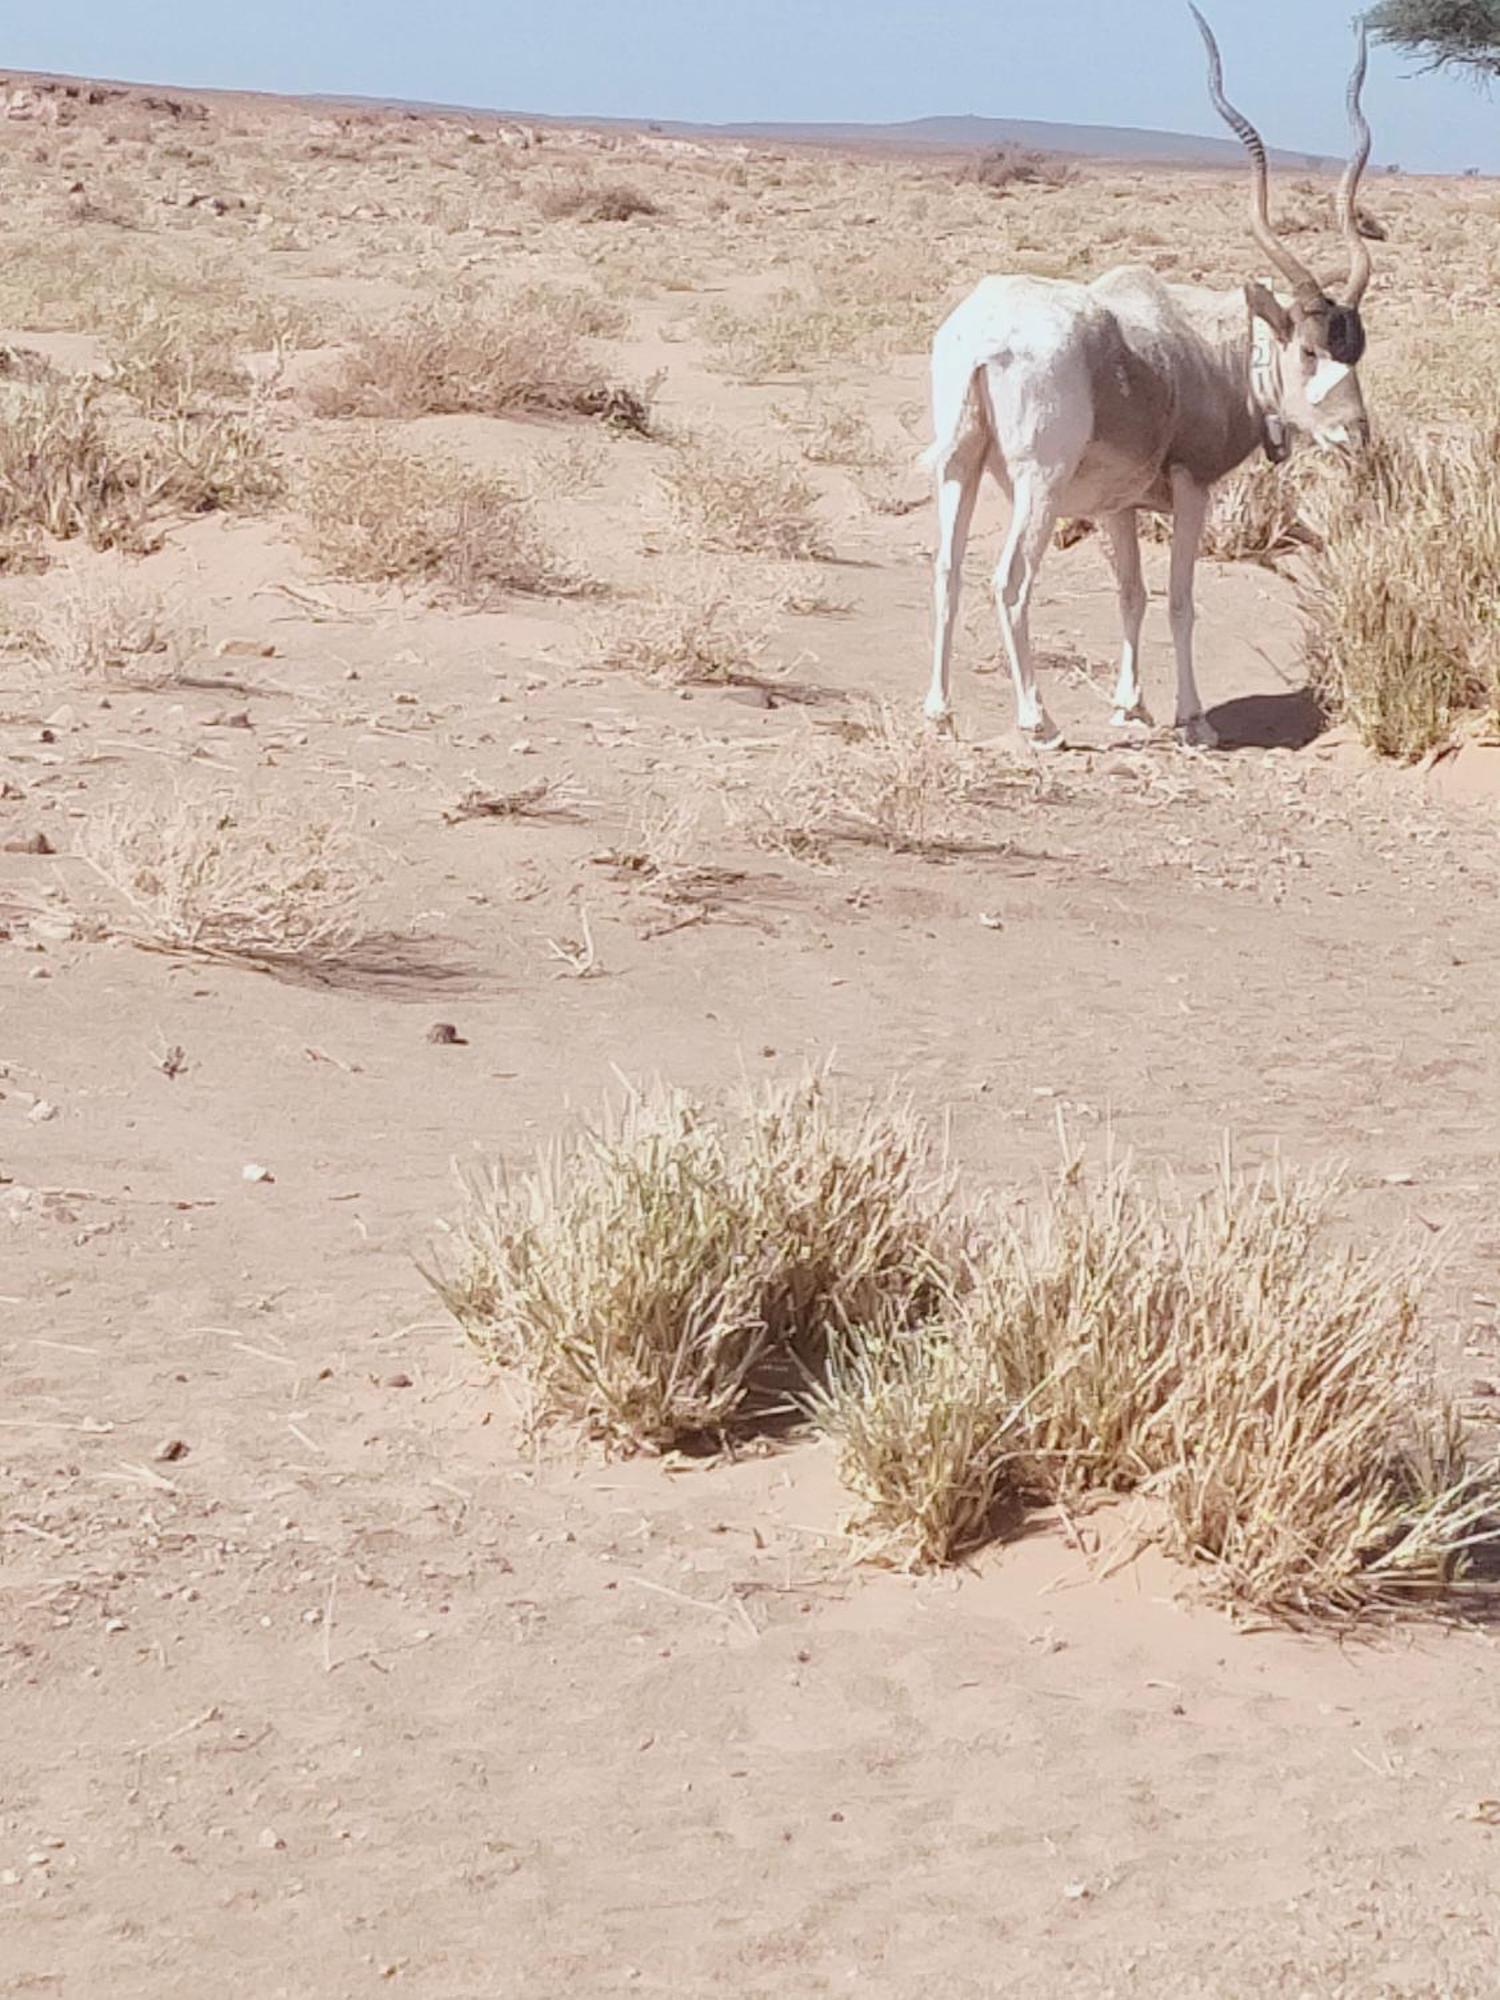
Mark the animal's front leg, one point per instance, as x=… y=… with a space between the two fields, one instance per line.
x=1125 y=551
x=1189 y=512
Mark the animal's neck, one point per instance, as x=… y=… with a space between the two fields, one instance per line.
x=1222 y=323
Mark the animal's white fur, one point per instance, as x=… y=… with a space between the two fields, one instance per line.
x=1326 y=378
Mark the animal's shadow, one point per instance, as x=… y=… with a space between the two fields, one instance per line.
x=1269 y=721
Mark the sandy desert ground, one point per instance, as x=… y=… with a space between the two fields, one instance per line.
x=316 y=1678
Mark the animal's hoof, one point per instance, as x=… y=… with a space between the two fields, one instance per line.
x=1198 y=733
x=1138 y=717
x=940 y=721
x=1043 y=735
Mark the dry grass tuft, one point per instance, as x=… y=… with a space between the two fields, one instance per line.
x=111 y=628
x=724 y=495
x=1268 y=1390
x=930 y=1438
x=379 y=515
x=252 y=880
x=60 y=471
x=1007 y=166
x=1402 y=602
x=831 y=432
x=225 y=462
x=1258 y=514
x=173 y=364
x=582 y=200
x=663 y=1275
x=709 y=627
x=525 y=353
x=884 y=781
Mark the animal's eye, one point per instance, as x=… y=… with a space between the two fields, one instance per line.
x=1310 y=356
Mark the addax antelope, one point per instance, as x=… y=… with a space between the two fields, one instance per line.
x=1129 y=392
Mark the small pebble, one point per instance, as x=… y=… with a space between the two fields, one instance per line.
x=255 y=1173
x=171 y=1450
x=446 y=1035
x=398 y=1381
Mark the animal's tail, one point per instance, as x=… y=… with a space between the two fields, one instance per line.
x=954 y=403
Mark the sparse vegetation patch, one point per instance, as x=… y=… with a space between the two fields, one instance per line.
x=669 y=1273
x=526 y=353
x=377 y=514
x=252 y=879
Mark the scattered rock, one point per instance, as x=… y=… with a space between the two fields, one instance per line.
x=252 y=1172
x=446 y=1035
x=41 y=1113
x=171 y=1450
x=29 y=843
x=245 y=649
x=399 y=1380
x=272 y=1840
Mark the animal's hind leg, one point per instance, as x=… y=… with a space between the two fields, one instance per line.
x=1035 y=513
x=957 y=490
x=1125 y=552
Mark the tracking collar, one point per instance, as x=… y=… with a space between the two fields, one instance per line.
x=1263 y=386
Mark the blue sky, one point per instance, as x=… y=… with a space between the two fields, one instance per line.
x=1115 y=62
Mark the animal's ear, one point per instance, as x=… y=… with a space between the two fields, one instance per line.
x=1265 y=305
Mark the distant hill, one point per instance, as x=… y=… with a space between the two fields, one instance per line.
x=974 y=135
x=967 y=134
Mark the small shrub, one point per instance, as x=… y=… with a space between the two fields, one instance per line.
x=573 y=309
x=580 y=200
x=790 y=333
x=110 y=628
x=247 y=879
x=884 y=781
x=665 y=1273
x=710 y=628
x=524 y=355
x=1402 y=601
x=379 y=515
x=1257 y=513
x=1267 y=1389
x=173 y=365
x=224 y=463
x=1008 y=166
x=728 y=496
x=834 y=433
x=61 y=472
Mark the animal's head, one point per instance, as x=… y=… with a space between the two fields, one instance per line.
x=1307 y=351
